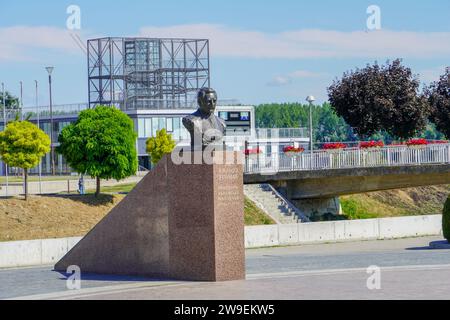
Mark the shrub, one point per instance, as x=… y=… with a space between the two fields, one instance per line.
x=101 y=143
x=22 y=145
x=446 y=220
x=160 y=145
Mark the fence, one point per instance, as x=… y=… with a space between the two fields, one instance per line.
x=349 y=158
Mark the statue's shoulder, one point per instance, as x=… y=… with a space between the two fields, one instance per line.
x=191 y=120
x=192 y=116
x=188 y=118
x=222 y=122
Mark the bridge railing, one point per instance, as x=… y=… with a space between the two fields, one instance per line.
x=350 y=158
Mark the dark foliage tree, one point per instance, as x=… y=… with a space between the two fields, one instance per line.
x=381 y=98
x=439 y=97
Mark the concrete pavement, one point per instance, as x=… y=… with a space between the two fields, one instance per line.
x=409 y=270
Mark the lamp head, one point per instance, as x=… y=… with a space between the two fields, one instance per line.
x=49 y=70
x=310 y=99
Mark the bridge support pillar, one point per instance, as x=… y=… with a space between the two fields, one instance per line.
x=313 y=208
x=318 y=209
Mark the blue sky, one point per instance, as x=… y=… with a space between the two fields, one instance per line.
x=261 y=51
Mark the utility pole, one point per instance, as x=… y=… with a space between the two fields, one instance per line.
x=38 y=125
x=4 y=128
x=21 y=100
x=310 y=100
x=52 y=149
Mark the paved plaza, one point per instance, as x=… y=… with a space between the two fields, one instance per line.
x=409 y=270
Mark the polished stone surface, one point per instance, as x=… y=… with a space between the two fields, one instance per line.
x=207 y=232
x=133 y=239
x=181 y=221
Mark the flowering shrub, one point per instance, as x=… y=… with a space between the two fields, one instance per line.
x=334 y=145
x=293 y=149
x=417 y=142
x=252 y=151
x=371 y=144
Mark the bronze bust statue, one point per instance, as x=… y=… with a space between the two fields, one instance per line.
x=203 y=125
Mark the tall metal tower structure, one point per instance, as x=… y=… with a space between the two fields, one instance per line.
x=147 y=73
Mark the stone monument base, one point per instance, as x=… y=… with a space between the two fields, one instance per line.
x=181 y=221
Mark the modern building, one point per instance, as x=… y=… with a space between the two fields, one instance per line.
x=155 y=82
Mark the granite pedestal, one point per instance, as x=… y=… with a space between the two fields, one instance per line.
x=182 y=221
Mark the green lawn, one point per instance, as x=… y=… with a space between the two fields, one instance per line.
x=255 y=216
x=395 y=203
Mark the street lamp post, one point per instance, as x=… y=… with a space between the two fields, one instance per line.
x=38 y=125
x=21 y=100
x=4 y=128
x=52 y=150
x=310 y=100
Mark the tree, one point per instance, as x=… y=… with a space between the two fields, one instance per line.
x=101 y=143
x=328 y=126
x=439 y=97
x=160 y=145
x=380 y=98
x=11 y=102
x=446 y=220
x=331 y=127
x=23 y=145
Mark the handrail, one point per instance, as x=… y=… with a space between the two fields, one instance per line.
x=291 y=206
x=350 y=158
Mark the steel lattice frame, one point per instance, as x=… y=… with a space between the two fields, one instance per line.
x=145 y=73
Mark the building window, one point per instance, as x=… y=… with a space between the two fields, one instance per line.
x=223 y=115
x=141 y=128
x=148 y=127
x=162 y=123
x=245 y=116
x=155 y=128
x=169 y=124
x=176 y=128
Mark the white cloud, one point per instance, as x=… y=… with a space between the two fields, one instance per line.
x=17 y=43
x=281 y=80
x=230 y=42
x=432 y=74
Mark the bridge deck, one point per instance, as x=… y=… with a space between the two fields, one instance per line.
x=322 y=160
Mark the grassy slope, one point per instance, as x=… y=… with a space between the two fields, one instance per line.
x=64 y=216
x=402 y=202
x=73 y=215
x=254 y=215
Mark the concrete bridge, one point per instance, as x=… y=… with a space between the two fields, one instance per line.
x=314 y=183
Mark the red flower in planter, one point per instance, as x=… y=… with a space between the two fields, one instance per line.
x=439 y=141
x=293 y=149
x=417 y=142
x=334 y=145
x=252 y=151
x=371 y=144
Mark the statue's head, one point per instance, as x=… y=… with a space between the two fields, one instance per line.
x=207 y=100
